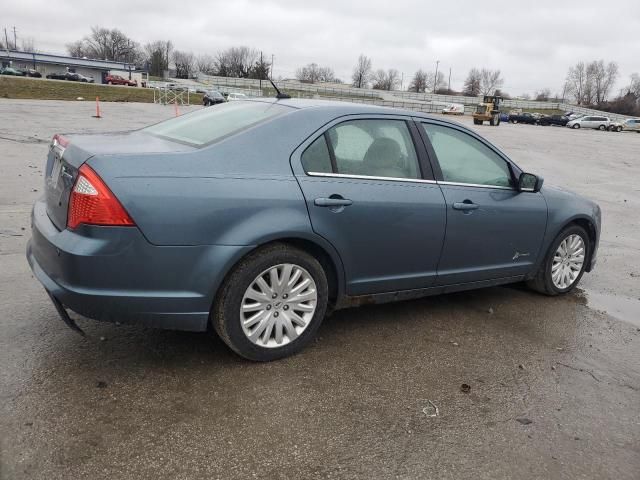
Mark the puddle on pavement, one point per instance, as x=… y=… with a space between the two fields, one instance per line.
x=621 y=307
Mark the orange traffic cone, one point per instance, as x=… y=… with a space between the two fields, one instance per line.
x=97 y=115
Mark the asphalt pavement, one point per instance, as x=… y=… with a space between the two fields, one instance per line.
x=488 y=384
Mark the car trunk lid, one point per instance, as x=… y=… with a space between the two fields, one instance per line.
x=68 y=153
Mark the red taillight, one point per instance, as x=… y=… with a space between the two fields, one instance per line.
x=92 y=202
x=59 y=140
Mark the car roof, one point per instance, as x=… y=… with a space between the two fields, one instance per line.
x=339 y=108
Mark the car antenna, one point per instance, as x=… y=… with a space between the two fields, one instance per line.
x=279 y=94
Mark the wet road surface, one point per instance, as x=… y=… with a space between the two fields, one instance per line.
x=554 y=382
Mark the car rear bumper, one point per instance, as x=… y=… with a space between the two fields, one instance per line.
x=114 y=274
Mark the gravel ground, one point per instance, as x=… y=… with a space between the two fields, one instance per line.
x=554 y=383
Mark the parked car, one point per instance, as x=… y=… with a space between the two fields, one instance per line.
x=256 y=217
x=77 y=77
x=212 y=97
x=118 y=80
x=453 y=109
x=590 y=121
x=57 y=76
x=12 y=71
x=525 y=117
x=631 y=124
x=30 y=72
x=236 y=96
x=547 y=120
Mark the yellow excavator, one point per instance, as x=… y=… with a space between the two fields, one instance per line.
x=488 y=110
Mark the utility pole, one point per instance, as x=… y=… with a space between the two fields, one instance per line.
x=6 y=39
x=402 y=81
x=15 y=39
x=449 y=87
x=271 y=69
x=261 y=71
x=435 y=80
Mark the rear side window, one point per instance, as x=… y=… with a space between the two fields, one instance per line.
x=315 y=158
x=211 y=124
x=377 y=148
x=464 y=159
x=371 y=148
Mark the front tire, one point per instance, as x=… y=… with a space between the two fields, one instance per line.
x=272 y=303
x=564 y=263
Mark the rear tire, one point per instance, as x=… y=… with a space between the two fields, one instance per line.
x=576 y=126
x=619 y=129
x=602 y=128
x=279 y=311
x=543 y=282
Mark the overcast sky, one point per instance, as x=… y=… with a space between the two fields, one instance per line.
x=532 y=43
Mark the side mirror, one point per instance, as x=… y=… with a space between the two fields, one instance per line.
x=528 y=182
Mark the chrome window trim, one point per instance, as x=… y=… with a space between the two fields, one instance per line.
x=369 y=177
x=400 y=179
x=459 y=184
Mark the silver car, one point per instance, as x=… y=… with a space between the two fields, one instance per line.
x=631 y=125
x=590 y=121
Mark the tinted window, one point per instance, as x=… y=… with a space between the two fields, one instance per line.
x=316 y=157
x=464 y=159
x=378 y=148
x=211 y=124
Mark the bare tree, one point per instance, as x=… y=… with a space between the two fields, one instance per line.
x=601 y=77
x=185 y=64
x=313 y=73
x=362 y=72
x=634 y=86
x=576 y=81
x=490 y=81
x=388 y=80
x=436 y=83
x=472 y=83
x=419 y=82
x=236 y=62
x=206 y=64
x=105 y=44
x=76 y=49
x=542 y=95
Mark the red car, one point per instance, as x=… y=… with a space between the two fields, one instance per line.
x=118 y=80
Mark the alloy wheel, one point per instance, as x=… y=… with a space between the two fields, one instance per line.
x=278 y=305
x=568 y=261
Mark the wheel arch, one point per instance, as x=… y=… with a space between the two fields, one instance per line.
x=315 y=246
x=590 y=228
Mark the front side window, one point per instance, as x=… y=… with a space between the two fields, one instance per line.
x=464 y=159
x=377 y=148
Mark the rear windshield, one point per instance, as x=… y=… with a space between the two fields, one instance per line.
x=214 y=123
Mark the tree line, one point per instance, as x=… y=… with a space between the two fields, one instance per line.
x=587 y=83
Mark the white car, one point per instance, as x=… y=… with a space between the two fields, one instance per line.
x=590 y=121
x=453 y=109
x=236 y=96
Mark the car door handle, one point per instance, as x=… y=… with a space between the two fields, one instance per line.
x=332 y=202
x=465 y=206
